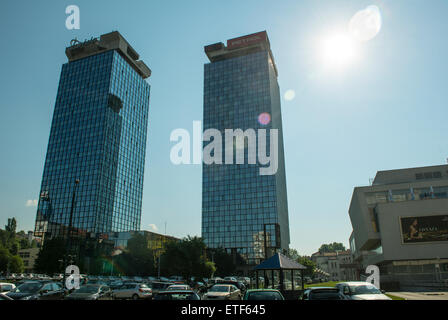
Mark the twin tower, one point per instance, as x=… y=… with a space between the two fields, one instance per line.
x=92 y=182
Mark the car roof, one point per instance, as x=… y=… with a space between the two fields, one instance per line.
x=262 y=290
x=321 y=288
x=176 y=291
x=356 y=283
x=179 y=285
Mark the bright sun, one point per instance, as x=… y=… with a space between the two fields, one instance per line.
x=338 y=50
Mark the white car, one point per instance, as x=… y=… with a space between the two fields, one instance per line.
x=134 y=291
x=358 y=290
x=223 y=292
x=6 y=287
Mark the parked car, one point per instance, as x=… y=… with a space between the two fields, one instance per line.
x=237 y=284
x=4 y=297
x=214 y=281
x=116 y=284
x=38 y=290
x=177 y=295
x=164 y=279
x=231 y=279
x=91 y=292
x=158 y=286
x=245 y=280
x=358 y=290
x=5 y=287
x=177 y=278
x=133 y=291
x=178 y=287
x=223 y=292
x=322 y=293
x=263 y=294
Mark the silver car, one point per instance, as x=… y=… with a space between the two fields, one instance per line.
x=134 y=291
x=223 y=292
x=358 y=290
x=6 y=287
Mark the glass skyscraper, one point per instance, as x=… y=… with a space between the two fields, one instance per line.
x=242 y=211
x=98 y=138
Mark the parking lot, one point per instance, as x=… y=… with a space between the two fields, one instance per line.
x=44 y=287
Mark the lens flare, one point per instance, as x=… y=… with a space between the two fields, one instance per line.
x=289 y=95
x=264 y=118
x=365 y=24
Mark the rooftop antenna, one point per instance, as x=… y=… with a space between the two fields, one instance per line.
x=371 y=180
x=165 y=227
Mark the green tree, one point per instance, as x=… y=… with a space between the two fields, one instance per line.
x=140 y=256
x=16 y=264
x=332 y=247
x=293 y=254
x=309 y=264
x=48 y=258
x=4 y=259
x=187 y=258
x=224 y=262
x=11 y=226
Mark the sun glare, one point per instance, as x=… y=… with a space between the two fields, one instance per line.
x=338 y=50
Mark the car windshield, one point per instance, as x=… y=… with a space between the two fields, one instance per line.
x=220 y=289
x=268 y=295
x=325 y=295
x=87 y=289
x=177 y=296
x=364 y=289
x=28 y=287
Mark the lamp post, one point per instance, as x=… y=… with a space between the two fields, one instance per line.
x=69 y=237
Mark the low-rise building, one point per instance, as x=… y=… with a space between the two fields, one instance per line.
x=337 y=265
x=29 y=257
x=400 y=224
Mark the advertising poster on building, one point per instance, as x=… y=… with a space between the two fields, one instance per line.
x=424 y=229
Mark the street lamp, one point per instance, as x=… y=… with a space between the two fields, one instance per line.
x=69 y=238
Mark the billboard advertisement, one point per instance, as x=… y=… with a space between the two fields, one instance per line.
x=424 y=229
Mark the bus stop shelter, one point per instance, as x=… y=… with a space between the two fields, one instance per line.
x=281 y=273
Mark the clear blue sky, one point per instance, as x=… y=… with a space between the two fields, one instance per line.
x=387 y=110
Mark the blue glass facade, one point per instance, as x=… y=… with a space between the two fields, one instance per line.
x=98 y=135
x=240 y=206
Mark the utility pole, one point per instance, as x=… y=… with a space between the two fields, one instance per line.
x=69 y=237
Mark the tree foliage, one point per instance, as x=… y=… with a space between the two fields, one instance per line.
x=332 y=247
x=224 y=262
x=9 y=248
x=138 y=259
x=186 y=258
x=48 y=259
x=293 y=254
x=309 y=264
